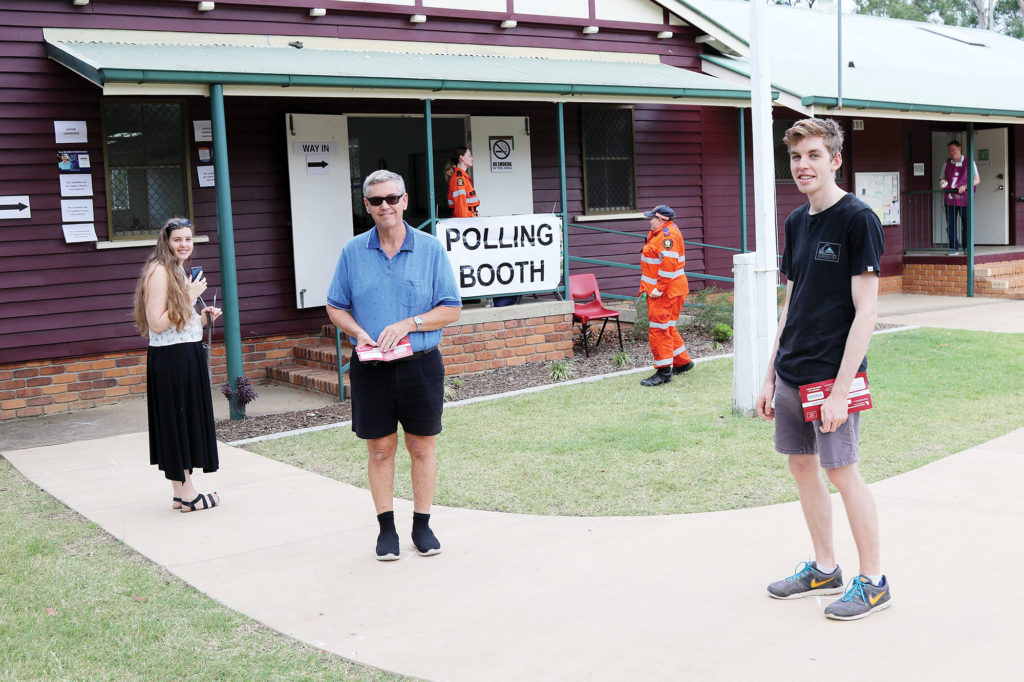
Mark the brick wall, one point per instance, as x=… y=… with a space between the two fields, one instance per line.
x=890 y=285
x=936 y=279
x=38 y=387
x=477 y=346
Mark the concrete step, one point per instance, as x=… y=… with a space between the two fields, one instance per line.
x=1001 y=269
x=1001 y=285
x=309 y=378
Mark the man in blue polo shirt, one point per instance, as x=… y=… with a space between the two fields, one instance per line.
x=391 y=282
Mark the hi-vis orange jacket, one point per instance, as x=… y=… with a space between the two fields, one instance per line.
x=663 y=262
x=462 y=198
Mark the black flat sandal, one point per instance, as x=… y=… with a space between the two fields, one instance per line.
x=208 y=502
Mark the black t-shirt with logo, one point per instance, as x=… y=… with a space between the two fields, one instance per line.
x=823 y=251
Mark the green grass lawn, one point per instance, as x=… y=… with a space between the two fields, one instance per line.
x=614 y=447
x=76 y=604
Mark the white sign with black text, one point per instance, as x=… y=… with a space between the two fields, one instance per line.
x=76 y=185
x=70 y=132
x=504 y=255
x=79 y=232
x=76 y=210
x=501 y=153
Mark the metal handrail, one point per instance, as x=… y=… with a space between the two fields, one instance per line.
x=634 y=234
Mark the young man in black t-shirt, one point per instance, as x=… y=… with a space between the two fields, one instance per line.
x=833 y=247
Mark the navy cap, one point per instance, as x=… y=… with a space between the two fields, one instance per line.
x=663 y=210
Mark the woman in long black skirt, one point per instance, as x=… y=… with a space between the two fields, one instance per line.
x=181 y=427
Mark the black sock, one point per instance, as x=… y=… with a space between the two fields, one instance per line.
x=422 y=536
x=387 y=541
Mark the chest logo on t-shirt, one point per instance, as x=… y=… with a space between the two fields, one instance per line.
x=827 y=251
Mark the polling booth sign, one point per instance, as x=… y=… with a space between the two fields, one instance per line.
x=504 y=255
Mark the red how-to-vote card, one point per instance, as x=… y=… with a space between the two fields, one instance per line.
x=813 y=395
x=374 y=354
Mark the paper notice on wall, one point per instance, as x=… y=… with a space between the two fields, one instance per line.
x=206 y=176
x=79 y=232
x=70 y=131
x=76 y=210
x=203 y=130
x=76 y=185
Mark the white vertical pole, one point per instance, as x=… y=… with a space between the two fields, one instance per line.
x=758 y=345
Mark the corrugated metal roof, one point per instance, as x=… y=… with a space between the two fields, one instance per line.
x=105 y=61
x=898 y=65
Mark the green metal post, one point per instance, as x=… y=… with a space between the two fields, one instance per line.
x=743 y=183
x=431 y=194
x=341 y=366
x=226 y=239
x=969 y=227
x=564 y=199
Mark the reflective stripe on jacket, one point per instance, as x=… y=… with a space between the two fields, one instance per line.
x=663 y=262
x=462 y=198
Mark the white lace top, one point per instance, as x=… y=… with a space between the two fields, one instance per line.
x=192 y=332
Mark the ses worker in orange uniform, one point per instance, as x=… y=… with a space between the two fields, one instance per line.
x=663 y=280
x=462 y=198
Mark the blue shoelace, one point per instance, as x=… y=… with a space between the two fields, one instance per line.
x=856 y=589
x=801 y=569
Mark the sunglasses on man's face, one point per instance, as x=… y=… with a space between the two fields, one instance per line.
x=392 y=199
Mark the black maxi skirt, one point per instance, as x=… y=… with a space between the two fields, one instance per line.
x=182 y=436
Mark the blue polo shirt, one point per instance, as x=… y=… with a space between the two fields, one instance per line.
x=379 y=291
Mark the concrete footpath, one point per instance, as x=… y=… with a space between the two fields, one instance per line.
x=516 y=597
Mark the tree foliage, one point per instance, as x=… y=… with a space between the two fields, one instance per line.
x=1005 y=16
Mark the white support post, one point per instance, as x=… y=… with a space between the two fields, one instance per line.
x=759 y=303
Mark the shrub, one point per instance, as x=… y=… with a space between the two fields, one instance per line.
x=622 y=359
x=641 y=324
x=721 y=333
x=242 y=393
x=707 y=308
x=562 y=370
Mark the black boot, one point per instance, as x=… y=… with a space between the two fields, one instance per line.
x=683 y=368
x=662 y=375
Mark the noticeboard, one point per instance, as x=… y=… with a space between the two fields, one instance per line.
x=880 y=191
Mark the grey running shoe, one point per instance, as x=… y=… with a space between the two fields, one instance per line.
x=861 y=599
x=807 y=581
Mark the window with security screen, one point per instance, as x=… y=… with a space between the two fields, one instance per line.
x=147 y=165
x=609 y=170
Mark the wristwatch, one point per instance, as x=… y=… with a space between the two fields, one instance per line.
x=419 y=322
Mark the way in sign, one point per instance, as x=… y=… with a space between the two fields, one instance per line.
x=313 y=147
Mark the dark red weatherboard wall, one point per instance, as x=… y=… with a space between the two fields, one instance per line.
x=65 y=300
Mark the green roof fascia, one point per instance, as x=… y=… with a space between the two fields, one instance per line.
x=814 y=100
x=104 y=76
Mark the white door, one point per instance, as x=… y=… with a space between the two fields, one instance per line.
x=502 y=169
x=991 y=205
x=318 y=176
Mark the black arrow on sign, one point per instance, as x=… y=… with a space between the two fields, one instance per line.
x=13 y=207
x=322 y=164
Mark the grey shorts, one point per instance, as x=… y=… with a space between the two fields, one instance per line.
x=794 y=436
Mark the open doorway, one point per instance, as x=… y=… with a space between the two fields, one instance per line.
x=398 y=143
x=991 y=204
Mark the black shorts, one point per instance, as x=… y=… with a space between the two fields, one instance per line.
x=410 y=392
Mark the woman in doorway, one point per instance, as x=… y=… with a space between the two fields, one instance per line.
x=462 y=198
x=181 y=425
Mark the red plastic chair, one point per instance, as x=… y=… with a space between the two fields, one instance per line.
x=581 y=288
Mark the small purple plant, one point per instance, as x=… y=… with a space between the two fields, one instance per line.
x=243 y=393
